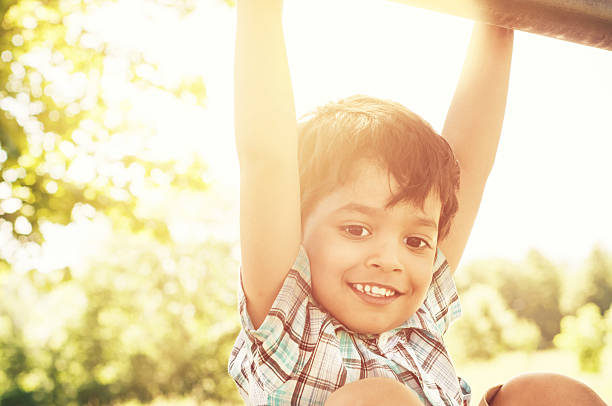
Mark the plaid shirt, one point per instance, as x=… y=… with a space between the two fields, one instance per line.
x=300 y=354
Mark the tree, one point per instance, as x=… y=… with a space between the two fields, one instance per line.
x=584 y=334
x=532 y=289
x=149 y=320
x=65 y=139
x=488 y=327
x=148 y=316
x=596 y=284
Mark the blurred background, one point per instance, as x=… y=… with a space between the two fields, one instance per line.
x=119 y=183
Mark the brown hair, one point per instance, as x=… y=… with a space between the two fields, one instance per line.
x=335 y=136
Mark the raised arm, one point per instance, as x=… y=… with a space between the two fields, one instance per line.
x=266 y=140
x=473 y=125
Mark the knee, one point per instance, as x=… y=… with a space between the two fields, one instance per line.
x=543 y=389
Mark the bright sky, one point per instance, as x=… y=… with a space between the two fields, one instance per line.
x=550 y=187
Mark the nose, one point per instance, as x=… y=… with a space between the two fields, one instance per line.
x=385 y=257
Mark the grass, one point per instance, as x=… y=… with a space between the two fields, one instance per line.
x=481 y=375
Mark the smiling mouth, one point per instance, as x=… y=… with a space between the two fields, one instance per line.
x=375 y=291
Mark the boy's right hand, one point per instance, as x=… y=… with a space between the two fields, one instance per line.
x=266 y=141
x=260 y=3
x=258 y=6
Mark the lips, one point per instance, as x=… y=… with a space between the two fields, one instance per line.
x=374 y=293
x=374 y=290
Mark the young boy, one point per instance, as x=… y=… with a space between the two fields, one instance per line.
x=367 y=199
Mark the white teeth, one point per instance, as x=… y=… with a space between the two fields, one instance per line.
x=376 y=291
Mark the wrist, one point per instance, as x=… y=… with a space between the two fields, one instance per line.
x=261 y=7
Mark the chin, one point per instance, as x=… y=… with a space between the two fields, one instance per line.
x=364 y=327
x=375 y=330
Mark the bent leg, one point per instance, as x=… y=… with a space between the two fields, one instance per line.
x=544 y=389
x=373 y=391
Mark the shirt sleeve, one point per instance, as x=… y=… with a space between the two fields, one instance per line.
x=442 y=300
x=274 y=346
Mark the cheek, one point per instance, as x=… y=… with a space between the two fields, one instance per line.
x=325 y=253
x=325 y=269
x=328 y=266
x=325 y=283
x=424 y=283
x=422 y=279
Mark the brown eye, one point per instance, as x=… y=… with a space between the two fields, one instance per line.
x=416 y=242
x=356 y=231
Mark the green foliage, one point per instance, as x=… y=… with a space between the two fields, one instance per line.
x=141 y=320
x=594 y=282
x=529 y=293
x=145 y=317
x=532 y=289
x=60 y=129
x=488 y=327
x=585 y=335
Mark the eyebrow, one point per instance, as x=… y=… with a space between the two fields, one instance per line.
x=420 y=220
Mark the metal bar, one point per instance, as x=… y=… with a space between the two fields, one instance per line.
x=587 y=22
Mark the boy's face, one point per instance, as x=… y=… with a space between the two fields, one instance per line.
x=371 y=267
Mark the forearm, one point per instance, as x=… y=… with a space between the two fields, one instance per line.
x=266 y=141
x=474 y=120
x=265 y=120
x=373 y=391
x=473 y=126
